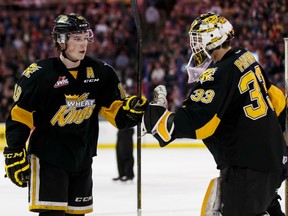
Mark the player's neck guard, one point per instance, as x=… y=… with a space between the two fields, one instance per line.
x=194 y=72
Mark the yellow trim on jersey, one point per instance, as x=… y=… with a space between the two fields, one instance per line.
x=74 y=74
x=277 y=98
x=110 y=113
x=208 y=129
x=23 y=116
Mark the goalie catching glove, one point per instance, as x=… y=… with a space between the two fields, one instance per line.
x=157 y=120
x=16 y=165
x=135 y=107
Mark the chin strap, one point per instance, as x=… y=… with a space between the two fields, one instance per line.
x=65 y=56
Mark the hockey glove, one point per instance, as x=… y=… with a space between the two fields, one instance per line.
x=135 y=107
x=159 y=122
x=16 y=165
x=159 y=96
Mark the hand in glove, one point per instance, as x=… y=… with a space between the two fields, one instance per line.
x=16 y=165
x=157 y=120
x=159 y=96
x=135 y=107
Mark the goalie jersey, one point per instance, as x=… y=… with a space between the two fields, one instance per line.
x=234 y=109
x=59 y=107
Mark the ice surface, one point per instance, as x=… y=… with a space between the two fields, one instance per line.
x=174 y=182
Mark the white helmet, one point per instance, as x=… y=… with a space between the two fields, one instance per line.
x=207 y=32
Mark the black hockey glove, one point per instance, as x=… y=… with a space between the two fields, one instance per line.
x=16 y=165
x=135 y=107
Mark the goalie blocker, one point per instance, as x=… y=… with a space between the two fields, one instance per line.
x=158 y=121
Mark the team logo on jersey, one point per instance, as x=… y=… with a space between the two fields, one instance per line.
x=62 y=81
x=207 y=75
x=30 y=70
x=75 y=111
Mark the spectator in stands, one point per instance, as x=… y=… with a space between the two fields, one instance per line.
x=152 y=18
x=261 y=29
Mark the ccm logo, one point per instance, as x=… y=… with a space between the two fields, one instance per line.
x=83 y=199
x=91 y=80
x=14 y=155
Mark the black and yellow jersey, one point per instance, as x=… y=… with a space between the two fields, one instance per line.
x=59 y=107
x=233 y=108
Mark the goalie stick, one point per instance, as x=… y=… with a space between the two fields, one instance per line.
x=137 y=20
x=286 y=126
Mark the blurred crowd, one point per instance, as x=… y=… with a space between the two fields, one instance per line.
x=25 y=36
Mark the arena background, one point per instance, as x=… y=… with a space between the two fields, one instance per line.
x=25 y=26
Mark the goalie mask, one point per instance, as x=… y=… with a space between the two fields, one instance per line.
x=66 y=25
x=207 y=33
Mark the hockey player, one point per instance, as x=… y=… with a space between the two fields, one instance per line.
x=233 y=108
x=58 y=100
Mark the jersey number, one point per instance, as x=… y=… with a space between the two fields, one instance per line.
x=17 y=92
x=202 y=95
x=252 y=111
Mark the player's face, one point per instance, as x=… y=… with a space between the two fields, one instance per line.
x=77 y=46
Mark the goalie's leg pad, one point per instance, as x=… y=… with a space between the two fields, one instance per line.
x=211 y=205
x=158 y=121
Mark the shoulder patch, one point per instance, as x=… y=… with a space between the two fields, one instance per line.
x=30 y=70
x=207 y=75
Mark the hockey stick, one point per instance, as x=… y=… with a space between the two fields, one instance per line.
x=136 y=16
x=286 y=130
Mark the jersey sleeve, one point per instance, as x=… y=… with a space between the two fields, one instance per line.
x=112 y=109
x=276 y=97
x=21 y=119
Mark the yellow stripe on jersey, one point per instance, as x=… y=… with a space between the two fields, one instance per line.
x=277 y=98
x=208 y=129
x=110 y=113
x=23 y=116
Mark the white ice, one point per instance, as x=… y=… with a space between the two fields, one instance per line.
x=174 y=182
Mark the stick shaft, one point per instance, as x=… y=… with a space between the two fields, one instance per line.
x=136 y=16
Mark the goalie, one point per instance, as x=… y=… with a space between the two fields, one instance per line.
x=233 y=108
